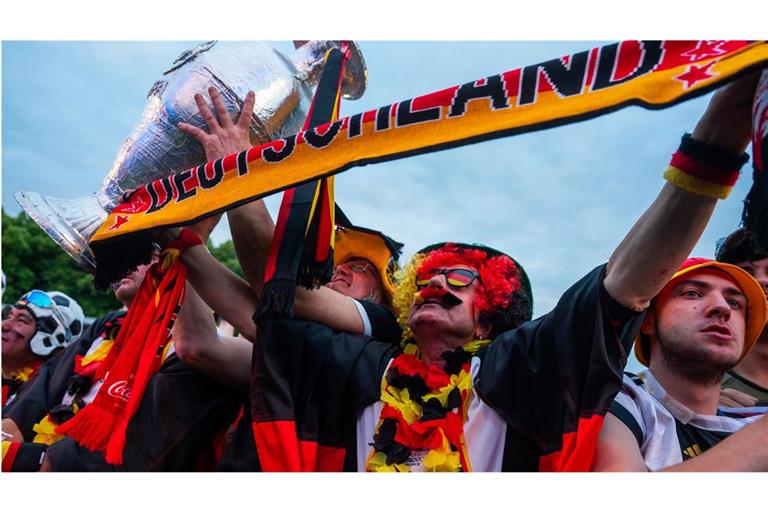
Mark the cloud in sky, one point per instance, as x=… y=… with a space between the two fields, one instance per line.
x=558 y=200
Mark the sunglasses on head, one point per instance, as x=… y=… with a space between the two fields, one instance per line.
x=39 y=299
x=42 y=300
x=455 y=277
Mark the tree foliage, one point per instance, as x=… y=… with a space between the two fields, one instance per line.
x=30 y=259
x=225 y=253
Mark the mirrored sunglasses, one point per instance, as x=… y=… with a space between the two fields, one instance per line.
x=455 y=277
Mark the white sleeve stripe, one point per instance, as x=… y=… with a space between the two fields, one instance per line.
x=364 y=318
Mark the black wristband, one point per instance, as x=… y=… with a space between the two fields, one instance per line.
x=711 y=154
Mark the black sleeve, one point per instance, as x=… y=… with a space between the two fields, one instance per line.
x=543 y=377
x=180 y=414
x=67 y=455
x=627 y=419
x=318 y=378
x=50 y=384
x=27 y=458
x=384 y=326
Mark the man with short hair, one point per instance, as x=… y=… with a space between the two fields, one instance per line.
x=700 y=325
x=35 y=328
x=746 y=385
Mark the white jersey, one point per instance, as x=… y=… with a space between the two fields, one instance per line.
x=667 y=432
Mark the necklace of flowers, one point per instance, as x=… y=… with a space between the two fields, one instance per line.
x=425 y=407
x=85 y=367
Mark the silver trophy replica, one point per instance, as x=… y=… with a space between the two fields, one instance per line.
x=284 y=86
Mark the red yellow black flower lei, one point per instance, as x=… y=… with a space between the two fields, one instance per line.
x=425 y=407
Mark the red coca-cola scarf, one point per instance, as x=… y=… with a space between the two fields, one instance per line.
x=135 y=357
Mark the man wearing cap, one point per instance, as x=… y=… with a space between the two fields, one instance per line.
x=451 y=400
x=700 y=325
x=36 y=327
x=746 y=385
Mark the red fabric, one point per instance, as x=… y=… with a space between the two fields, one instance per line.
x=578 y=451
x=277 y=445
x=279 y=449
x=704 y=170
x=10 y=456
x=134 y=358
x=6 y=392
x=188 y=238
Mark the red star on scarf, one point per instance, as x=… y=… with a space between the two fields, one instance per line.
x=695 y=74
x=705 y=49
x=119 y=221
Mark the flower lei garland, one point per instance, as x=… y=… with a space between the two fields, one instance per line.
x=85 y=368
x=16 y=379
x=424 y=411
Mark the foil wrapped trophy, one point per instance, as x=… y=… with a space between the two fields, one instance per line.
x=283 y=84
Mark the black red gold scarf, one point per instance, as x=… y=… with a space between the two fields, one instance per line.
x=425 y=407
x=302 y=246
x=652 y=74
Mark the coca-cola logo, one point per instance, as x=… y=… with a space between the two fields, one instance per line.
x=120 y=389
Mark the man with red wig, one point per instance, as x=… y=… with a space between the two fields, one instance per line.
x=476 y=384
x=703 y=322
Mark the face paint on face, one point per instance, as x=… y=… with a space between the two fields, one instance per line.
x=437 y=307
x=18 y=328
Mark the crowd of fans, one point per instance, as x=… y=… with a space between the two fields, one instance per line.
x=433 y=366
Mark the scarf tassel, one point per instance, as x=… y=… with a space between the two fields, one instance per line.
x=276 y=299
x=92 y=426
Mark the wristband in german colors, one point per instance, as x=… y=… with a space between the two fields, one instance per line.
x=704 y=169
x=187 y=238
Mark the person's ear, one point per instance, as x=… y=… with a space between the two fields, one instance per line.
x=482 y=331
x=649 y=324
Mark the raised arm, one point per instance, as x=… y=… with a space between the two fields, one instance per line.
x=668 y=230
x=198 y=344
x=252 y=229
x=746 y=450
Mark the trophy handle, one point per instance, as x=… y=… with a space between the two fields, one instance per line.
x=309 y=57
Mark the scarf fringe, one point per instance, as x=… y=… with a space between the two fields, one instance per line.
x=314 y=274
x=92 y=427
x=277 y=298
x=120 y=256
x=755 y=213
x=116 y=444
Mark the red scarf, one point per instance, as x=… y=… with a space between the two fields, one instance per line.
x=135 y=357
